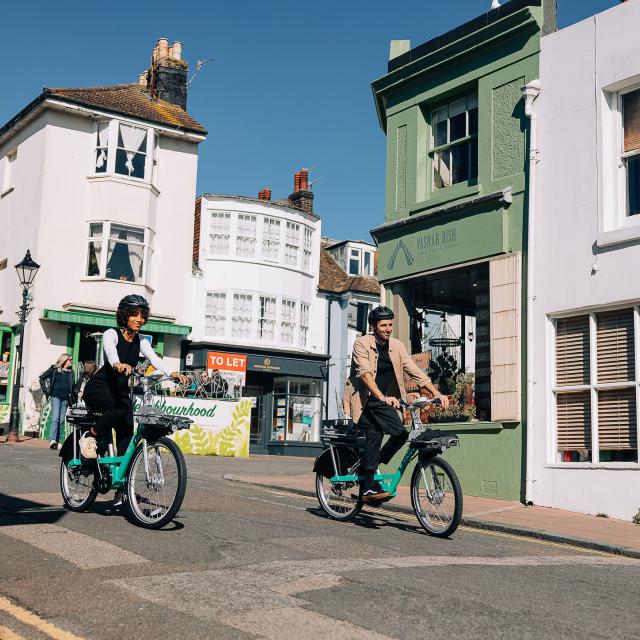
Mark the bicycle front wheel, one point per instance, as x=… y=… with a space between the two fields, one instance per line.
x=436 y=497
x=79 y=486
x=155 y=491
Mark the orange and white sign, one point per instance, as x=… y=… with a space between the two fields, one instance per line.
x=235 y=362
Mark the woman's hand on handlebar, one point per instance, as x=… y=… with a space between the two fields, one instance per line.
x=121 y=367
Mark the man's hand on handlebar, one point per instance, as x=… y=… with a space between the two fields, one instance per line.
x=178 y=377
x=444 y=400
x=394 y=402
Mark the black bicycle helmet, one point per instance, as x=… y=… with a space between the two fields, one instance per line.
x=135 y=301
x=380 y=313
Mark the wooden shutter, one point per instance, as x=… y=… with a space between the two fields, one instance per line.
x=631 y=119
x=615 y=356
x=573 y=421
x=572 y=351
x=504 y=277
x=617 y=419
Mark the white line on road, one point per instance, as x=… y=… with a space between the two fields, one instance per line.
x=81 y=550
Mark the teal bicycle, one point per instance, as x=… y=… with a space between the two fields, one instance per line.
x=152 y=472
x=436 y=496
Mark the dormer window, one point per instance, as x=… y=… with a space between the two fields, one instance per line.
x=124 y=149
x=360 y=261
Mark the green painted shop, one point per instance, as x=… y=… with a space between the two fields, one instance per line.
x=452 y=248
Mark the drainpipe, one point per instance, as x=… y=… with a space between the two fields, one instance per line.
x=531 y=91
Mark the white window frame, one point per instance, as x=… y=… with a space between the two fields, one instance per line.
x=288 y=311
x=274 y=241
x=307 y=249
x=292 y=244
x=225 y=319
x=237 y=296
x=150 y=168
x=593 y=387
x=104 y=242
x=305 y=317
x=220 y=215
x=251 y=219
x=261 y=318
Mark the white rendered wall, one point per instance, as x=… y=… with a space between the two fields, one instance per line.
x=577 y=188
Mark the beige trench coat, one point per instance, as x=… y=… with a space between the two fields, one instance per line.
x=365 y=360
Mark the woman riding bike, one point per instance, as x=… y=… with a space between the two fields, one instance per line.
x=371 y=396
x=107 y=392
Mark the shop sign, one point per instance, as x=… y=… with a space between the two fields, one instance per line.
x=235 y=363
x=267 y=364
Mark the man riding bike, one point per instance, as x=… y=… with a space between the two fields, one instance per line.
x=371 y=398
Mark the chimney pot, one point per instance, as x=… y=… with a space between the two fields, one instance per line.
x=304 y=179
x=163 y=49
x=267 y=193
x=142 y=79
x=176 y=50
x=296 y=182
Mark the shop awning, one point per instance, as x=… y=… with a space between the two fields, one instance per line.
x=103 y=320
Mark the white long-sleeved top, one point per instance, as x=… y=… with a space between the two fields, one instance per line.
x=110 y=347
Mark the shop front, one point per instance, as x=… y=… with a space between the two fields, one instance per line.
x=6 y=373
x=286 y=391
x=453 y=278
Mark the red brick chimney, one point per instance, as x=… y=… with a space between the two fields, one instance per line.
x=264 y=194
x=302 y=196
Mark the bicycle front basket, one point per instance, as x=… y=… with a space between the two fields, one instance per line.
x=342 y=431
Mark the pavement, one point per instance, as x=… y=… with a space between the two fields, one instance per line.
x=246 y=562
x=556 y=525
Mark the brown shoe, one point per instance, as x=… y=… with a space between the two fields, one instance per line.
x=374 y=496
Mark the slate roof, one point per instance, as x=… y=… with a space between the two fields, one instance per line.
x=130 y=100
x=334 y=279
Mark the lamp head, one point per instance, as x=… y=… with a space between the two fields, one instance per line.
x=27 y=270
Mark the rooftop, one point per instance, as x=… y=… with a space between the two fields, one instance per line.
x=334 y=279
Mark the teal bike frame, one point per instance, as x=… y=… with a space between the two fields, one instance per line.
x=390 y=481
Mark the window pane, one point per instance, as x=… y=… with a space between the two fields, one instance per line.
x=271 y=239
x=246 y=243
x=242 y=314
x=473 y=121
x=220 y=233
x=574 y=426
x=354 y=266
x=288 y=321
x=95 y=230
x=102 y=147
x=93 y=262
x=215 y=313
x=367 y=263
x=572 y=351
x=460 y=163
x=617 y=436
x=441 y=170
x=473 y=160
x=458 y=127
x=125 y=261
x=615 y=356
x=633 y=185
x=440 y=127
x=631 y=120
x=292 y=244
x=267 y=320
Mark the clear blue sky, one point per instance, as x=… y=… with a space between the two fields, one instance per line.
x=289 y=86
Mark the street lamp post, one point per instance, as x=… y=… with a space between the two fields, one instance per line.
x=27 y=270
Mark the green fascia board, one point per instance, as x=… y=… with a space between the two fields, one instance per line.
x=100 y=320
x=529 y=18
x=454 y=234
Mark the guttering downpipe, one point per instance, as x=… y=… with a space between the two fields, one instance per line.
x=531 y=91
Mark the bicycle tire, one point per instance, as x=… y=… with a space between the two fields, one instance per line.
x=441 y=522
x=72 y=500
x=324 y=488
x=146 y=516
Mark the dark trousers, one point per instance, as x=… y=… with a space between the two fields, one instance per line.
x=377 y=419
x=116 y=410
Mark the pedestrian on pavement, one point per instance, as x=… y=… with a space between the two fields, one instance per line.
x=57 y=385
x=88 y=369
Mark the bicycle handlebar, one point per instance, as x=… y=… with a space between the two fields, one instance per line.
x=427 y=401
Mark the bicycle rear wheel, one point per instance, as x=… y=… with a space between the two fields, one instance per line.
x=436 y=496
x=79 y=486
x=339 y=500
x=155 y=497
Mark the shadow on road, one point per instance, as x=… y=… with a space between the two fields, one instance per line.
x=15 y=510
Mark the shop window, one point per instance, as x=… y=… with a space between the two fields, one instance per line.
x=271 y=239
x=123 y=149
x=297 y=409
x=220 y=233
x=242 y=314
x=288 y=321
x=292 y=244
x=215 y=314
x=246 y=242
x=631 y=149
x=267 y=319
x=5 y=364
x=118 y=252
x=454 y=142
x=596 y=402
x=304 y=325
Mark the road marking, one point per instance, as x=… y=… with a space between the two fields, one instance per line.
x=8 y=634
x=26 y=617
x=77 y=548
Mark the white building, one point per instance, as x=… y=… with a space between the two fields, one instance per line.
x=253 y=295
x=99 y=184
x=585 y=255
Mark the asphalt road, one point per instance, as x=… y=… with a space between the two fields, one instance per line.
x=246 y=562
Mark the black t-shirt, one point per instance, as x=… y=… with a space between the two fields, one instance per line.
x=384 y=372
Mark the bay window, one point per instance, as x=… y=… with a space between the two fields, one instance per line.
x=118 y=252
